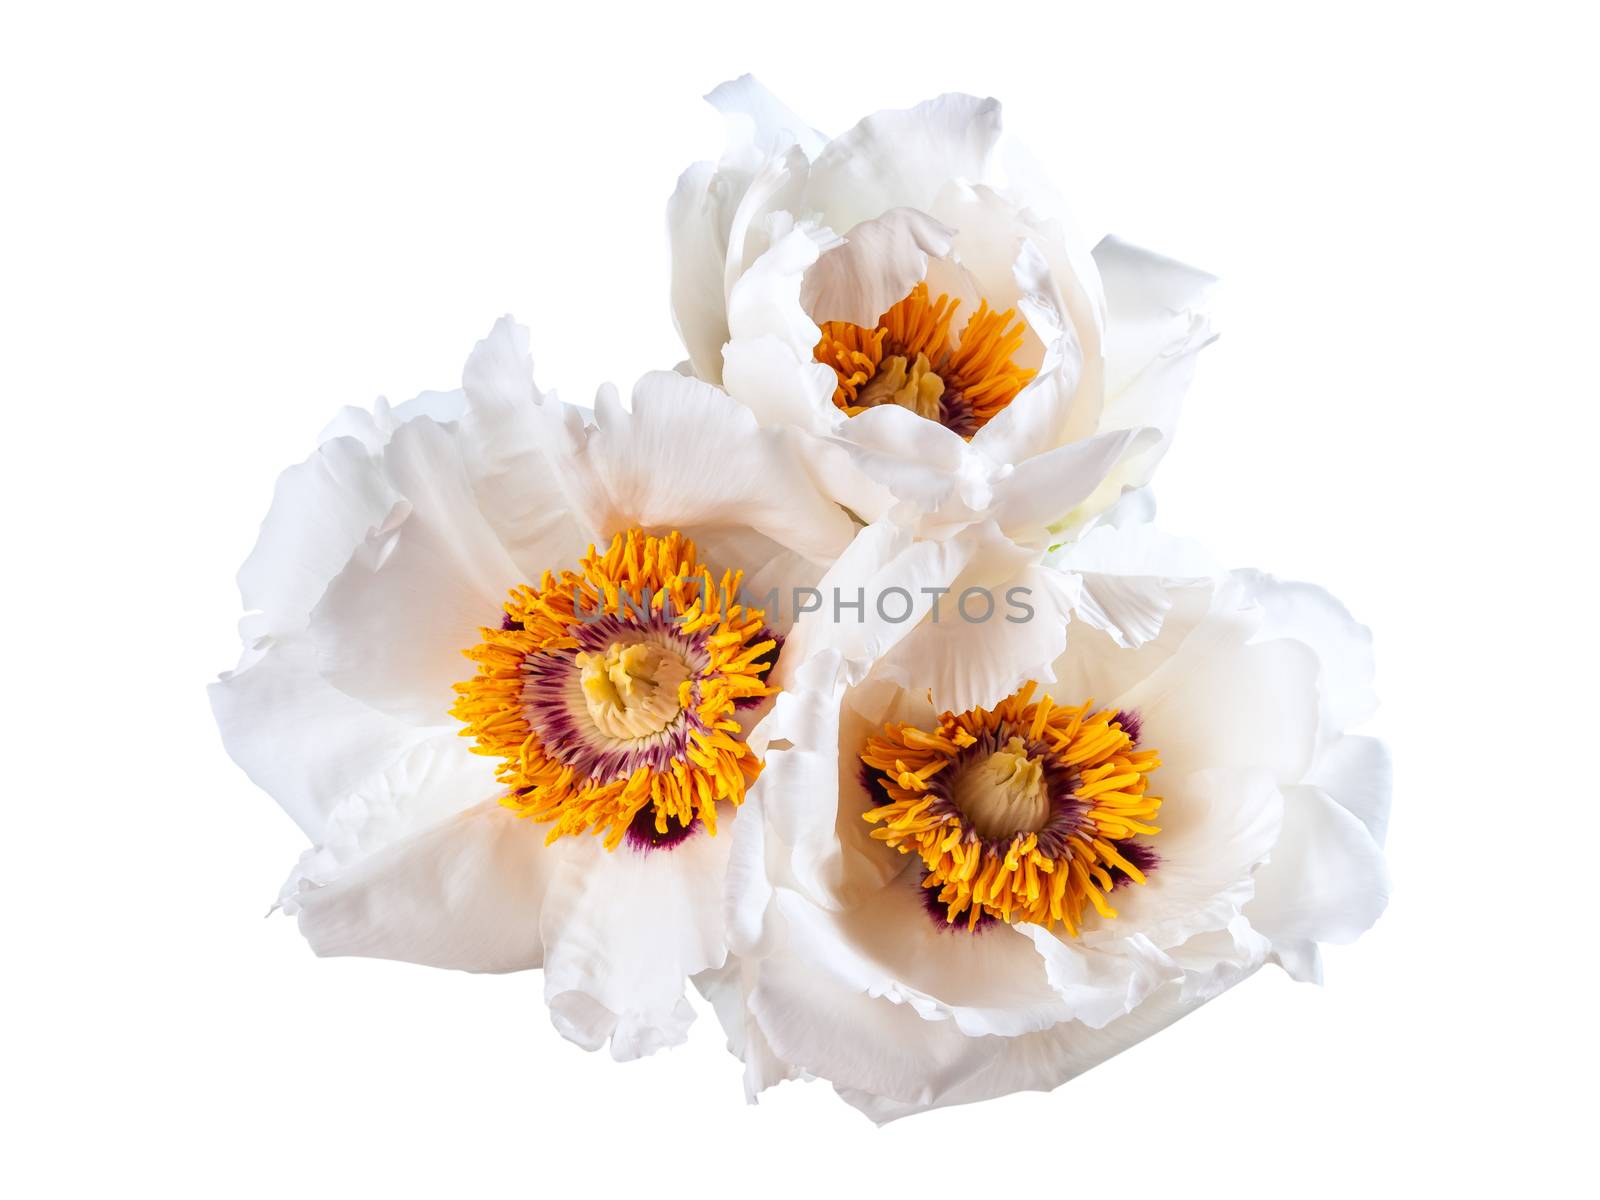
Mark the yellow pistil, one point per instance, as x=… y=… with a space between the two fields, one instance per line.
x=632 y=690
x=1005 y=793
x=637 y=694
x=908 y=359
x=985 y=829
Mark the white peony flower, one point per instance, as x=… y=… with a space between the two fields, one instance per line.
x=957 y=362
x=932 y=909
x=590 y=574
x=937 y=318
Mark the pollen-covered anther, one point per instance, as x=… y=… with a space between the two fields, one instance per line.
x=1027 y=812
x=910 y=359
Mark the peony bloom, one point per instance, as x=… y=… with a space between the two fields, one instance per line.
x=934 y=318
x=498 y=668
x=956 y=360
x=997 y=899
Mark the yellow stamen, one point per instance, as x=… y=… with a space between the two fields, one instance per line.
x=994 y=842
x=634 y=690
x=909 y=359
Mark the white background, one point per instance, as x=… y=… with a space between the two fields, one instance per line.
x=221 y=225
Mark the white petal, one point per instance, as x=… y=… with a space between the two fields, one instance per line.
x=1359 y=774
x=1045 y=487
x=373 y=427
x=1214 y=961
x=321 y=510
x=698 y=215
x=725 y=471
x=1062 y=403
x=1128 y=576
x=1326 y=882
x=1003 y=622
x=764 y=216
x=901 y=158
x=764 y=374
x=1312 y=616
x=466 y=894
x=1156 y=318
x=726 y=987
x=765 y=303
x=760 y=120
x=872 y=597
x=503 y=439
x=298 y=738
x=888 y=1060
x=1207 y=696
x=623 y=932
x=1100 y=982
x=878 y=264
x=801 y=826
x=392 y=625
x=939 y=483
x=989 y=982
x=1217 y=828
x=438 y=777
x=1156 y=325
x=706 y=204
x=1039 y=1062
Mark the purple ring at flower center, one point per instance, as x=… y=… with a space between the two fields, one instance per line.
x=554 y=702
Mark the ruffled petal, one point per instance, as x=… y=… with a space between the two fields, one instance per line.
x=436 y=778
x=1327 y=881
x=727 y=472
x=321 y=510
x=1128 y=577
x=977 y=1069
x=466 y=894
x=698 y=215
x=902 y=158
x=989 y=983
x=1029 y=499
x=373 y=427
x=716 y=207
x=726 y=988
x=1099 y=982
x=1002 y=622
x=1062 y=403
x=889 y=1061
x=1217 y=828
x=884 y=584
x=765 y=299
x=624 y=930
x=1208 y=695
x=1310 y=615
x=301 y=740
x=503 y=433
x=1359 y=774
x=938 y=482
x=760 y=124
x=878 y=263
x=391 y=626
x=1157 y=322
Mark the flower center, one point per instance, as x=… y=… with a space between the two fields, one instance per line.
x=610 y=693
x=1031 y=811
x=632 y=690
x=918 y=388
x=1003 y=793
x=909 y=359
